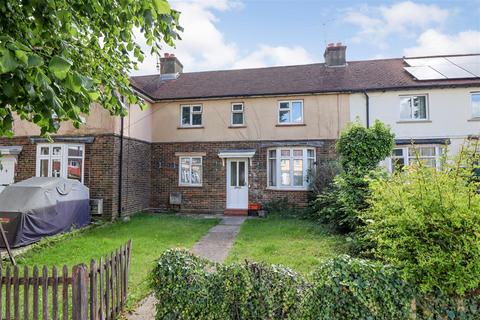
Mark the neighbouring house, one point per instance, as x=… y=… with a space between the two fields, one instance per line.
x=431 y=103
x=216 y=141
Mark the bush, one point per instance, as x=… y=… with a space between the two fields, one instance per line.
x=360 y=150
x=282 y=207
x=322 y=177
x=346 y=288
x=187 y=288
x=427 y=222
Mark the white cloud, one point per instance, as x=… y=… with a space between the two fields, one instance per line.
x=204 y=46
x=267 y=55
x=432 y=42
x=407 y=18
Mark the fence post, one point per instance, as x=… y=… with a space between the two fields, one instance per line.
x=79 y=292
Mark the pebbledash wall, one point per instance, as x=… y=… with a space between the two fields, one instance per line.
x=211 y=196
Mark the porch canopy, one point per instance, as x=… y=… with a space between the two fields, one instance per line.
x=236 y=153
x=7 y=150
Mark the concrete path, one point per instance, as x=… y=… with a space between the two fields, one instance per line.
x=215 y=246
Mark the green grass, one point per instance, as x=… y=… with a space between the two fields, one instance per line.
x=298 y=244
x=150 y=234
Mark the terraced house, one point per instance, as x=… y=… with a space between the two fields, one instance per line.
x=217 y=141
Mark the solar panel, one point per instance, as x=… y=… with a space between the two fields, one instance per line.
x=447 y=67
x=424 y=73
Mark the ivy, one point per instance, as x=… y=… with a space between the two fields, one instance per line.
x=57 y=57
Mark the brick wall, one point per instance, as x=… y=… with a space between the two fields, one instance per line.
x=101 y=171
x=211 y=196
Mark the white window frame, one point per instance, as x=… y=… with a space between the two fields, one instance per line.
x=289 y=109
x=189 y=184
x=279 y=157
x=407 y=160
x=237 y=111
x=191 y=106
x=474 y=116
x=411 y=119
x=63 y=157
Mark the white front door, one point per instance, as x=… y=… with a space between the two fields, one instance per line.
x=237 y=184
x=7 y=171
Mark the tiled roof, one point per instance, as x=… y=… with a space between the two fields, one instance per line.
x=312 y=78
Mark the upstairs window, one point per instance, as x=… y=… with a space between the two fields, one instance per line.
x=290 y=112
x=190 y=171
x=60 y=161
x=238 y=118
x=191 y=116
x=413 y=108
x=476 y=105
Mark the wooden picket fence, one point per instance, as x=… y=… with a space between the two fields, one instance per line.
x=96 y=293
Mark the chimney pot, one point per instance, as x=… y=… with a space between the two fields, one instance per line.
x=335 y=56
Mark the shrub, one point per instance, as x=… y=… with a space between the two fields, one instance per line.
x=188 y=287
x=427 y=222
x=323 y=175
x=282 y=207
x=346 y=288
x=360 y=150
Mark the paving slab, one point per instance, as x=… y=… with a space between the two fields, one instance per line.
x=215 y=246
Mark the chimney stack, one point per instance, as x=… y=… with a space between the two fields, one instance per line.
x=170 y=66
x=335 y=55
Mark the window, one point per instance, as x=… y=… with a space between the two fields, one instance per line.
x=190 y=173
x=288 y=168
x=60 y=161
x=290 y=112
x=427 y=155
x=237 y=114
x=476 y=105
x=191 y=116
x=413 y=108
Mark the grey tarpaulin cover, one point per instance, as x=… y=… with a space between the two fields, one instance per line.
x=41 y=206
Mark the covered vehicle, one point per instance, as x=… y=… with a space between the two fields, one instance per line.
x=41 y=206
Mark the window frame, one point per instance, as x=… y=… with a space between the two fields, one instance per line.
x=190 y=184
x=407 y=159
x=237 y=111
x=290 y=109
x=191 y=106
x=411 y=96
x=305 y=167
x=474 y=116
x=63 y=157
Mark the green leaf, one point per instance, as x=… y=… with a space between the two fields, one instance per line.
x=34 y=60
x=161 y=6
x=74 y=82
x=94 y=95
x=7 y=61
x=59 y=67
x=22 y=56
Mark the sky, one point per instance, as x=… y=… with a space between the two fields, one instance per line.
x=233 y=34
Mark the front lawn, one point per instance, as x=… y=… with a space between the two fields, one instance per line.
x=150 y=234
x=294 y=243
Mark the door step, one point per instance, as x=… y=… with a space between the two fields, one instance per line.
x=235 y=212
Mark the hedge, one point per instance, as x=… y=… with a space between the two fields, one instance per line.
x=188 y=287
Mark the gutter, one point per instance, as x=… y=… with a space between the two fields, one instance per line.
x=367 y=108
x=120 y=166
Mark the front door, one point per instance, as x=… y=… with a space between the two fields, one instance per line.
x=237 y=184
x=7 y=171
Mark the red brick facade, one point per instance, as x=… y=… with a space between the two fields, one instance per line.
x=211 y=196
x=101 y=171
x=150 y=172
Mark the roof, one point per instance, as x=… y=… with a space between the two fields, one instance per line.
x=382 y=74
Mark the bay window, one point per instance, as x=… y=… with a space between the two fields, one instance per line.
x=288 y=168
x=190 y=171
x=60 y=161
x=427 y=155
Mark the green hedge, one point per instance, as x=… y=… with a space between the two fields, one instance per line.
x=188 y=287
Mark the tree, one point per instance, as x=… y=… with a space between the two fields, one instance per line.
x=57 y=57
